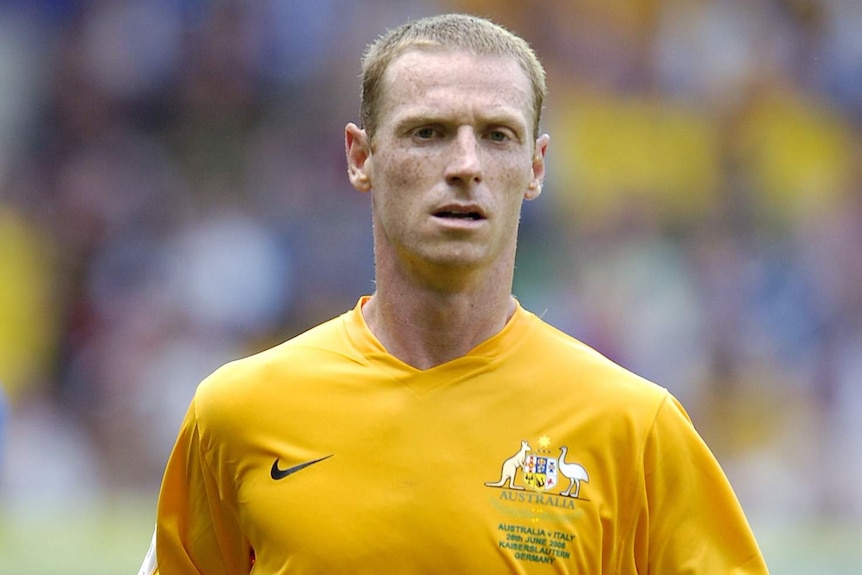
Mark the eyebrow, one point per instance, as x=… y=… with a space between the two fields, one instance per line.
x=420 y=118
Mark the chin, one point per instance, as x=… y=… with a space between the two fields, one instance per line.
x=463 y=260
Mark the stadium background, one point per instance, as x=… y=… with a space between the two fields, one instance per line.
x=173 y=195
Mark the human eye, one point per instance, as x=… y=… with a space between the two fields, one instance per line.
x=426 y=133
x=501 y=135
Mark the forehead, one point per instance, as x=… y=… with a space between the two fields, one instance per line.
x=446 y=79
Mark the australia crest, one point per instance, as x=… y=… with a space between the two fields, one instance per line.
x=540 y=471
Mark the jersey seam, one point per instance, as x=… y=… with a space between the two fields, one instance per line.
x=205 y=459
x=630 y=527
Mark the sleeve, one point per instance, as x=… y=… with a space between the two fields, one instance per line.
x=693 y=522
x=197 y=531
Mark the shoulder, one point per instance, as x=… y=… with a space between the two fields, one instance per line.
x=579 y=368
x=264 y=375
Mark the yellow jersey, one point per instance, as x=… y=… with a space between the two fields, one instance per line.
x=531 y=454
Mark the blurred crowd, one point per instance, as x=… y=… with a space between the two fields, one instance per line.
x=173 y=195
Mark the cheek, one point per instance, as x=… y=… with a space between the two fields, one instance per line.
x=515 y=181
x=396 y=189
x=399 y=186
x=395 y=174
x=402 y=185
x=402 y=177
x=513 y=185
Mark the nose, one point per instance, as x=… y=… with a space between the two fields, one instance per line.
x=464 y=163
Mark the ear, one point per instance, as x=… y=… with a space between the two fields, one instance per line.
x=535 y=186
x=358 y=149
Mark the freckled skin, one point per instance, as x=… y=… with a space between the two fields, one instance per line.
x=448 y=168
x=464 y=100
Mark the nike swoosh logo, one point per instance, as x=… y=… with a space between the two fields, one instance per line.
x=277 y=473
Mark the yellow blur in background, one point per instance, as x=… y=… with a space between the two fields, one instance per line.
x=173 y=196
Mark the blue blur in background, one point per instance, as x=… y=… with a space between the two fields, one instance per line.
x=173 y=195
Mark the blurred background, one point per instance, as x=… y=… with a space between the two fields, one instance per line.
x=173 y=195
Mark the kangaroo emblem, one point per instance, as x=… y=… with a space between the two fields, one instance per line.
x=511 y=466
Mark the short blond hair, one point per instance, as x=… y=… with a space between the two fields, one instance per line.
x=457 y=31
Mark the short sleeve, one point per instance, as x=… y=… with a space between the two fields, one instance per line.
x=694 y=522
x=195 y=531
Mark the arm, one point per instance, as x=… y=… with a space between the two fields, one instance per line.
x=197 y=532
x=693 y=522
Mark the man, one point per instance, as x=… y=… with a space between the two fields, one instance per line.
x=439 y=427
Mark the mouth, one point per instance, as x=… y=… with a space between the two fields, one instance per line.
x=460 y=213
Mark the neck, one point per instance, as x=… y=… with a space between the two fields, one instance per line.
x=424 y=326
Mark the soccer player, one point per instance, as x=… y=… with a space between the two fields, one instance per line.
x=439 y=427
